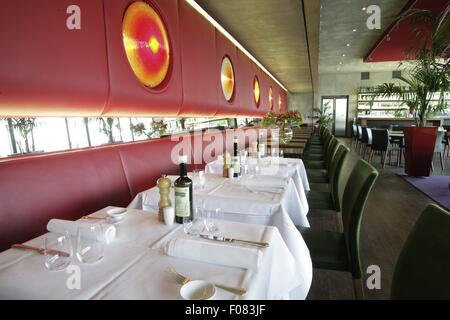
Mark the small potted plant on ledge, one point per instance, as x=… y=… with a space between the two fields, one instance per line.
x=428 y=81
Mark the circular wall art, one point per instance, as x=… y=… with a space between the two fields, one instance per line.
x=146 y=43
x=256 y=91
x=271 y=98
x=227 y=78
x=280 y=103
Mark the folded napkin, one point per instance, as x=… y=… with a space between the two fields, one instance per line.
x=264 y=181
x=61 y=226
x=216 y=253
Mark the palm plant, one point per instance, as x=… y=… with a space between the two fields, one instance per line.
x=323 y=115
x=24 y=127
x=428 y=77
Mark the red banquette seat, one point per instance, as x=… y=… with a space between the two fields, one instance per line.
x=71 y=184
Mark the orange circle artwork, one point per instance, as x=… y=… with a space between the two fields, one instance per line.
x=146 y=44
x=280 y=103
x=271 y=98
x=256 y=91
x=227 y=78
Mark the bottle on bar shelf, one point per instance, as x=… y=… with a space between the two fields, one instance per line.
x=236 y=162
x=183 y=194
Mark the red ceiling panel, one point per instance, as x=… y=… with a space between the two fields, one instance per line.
x=47 y=69
x=224 y=47
x=401 y=37
x=127 y=95
x=198 y=60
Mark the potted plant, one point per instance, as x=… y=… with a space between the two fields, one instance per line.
x=323 y=116
x=428 y=81
x=284 y=122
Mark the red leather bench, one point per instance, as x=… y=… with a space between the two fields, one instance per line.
x=71 y=184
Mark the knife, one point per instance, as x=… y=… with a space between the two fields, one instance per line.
x=232 y=240
x=40 y=250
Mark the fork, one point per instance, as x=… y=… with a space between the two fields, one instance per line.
x=183 y=280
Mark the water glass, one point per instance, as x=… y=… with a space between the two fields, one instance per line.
x=195 y=226
x=281 y=153
x=244 y=156
x=90 y=245
x=58 y=251
x=202 y=179
x=213 y=220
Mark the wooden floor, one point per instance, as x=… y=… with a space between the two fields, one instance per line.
x=391 y=210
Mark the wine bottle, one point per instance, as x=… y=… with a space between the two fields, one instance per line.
x=261 y=146
x=236 y=162
x=183 y=195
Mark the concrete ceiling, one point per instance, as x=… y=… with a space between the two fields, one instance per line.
x=275 y=32
x=296 y=40
x=338 y=19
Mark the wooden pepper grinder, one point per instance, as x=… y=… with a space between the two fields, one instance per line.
x=226 y=166
x=163 y=184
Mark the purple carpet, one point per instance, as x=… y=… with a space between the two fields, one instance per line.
x=435 y=187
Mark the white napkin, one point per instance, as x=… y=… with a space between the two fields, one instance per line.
x=61 y=226
x=264 y=181
x=216 y=253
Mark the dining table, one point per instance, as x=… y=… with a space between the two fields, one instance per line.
x=136 y=262
x=276 y=166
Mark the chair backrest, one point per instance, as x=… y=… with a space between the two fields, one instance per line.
x=422 y=270
x=357 y=189
x=331 y=151
x=360 y=133
x=369 y=136
x=354 y=131
x=335 y=173
x=438 y=147
x=380 y=139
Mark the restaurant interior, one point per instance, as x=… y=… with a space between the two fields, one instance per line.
x=224 y=150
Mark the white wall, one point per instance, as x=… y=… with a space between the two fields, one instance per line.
x=303 y=102
x=337 y=84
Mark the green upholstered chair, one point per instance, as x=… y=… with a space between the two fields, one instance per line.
x=335 y=164
x=340 y=251
x=322 y=164
x=329 y=200
x=423 y=267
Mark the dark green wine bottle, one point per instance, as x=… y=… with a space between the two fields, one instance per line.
x=236 y=162
x=183 y=195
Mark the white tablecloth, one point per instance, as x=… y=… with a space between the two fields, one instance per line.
x=282 y=167
x=134 y=267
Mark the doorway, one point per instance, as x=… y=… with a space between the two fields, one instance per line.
x=338 y=105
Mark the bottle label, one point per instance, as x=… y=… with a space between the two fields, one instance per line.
x=236 y=165
x=182 y=205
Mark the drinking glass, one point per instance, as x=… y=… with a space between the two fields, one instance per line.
x=195 y=226
x=202 y=179
x=281 y=153
x=58 y=251
x=90 y=246
x=244 y=156
x=213 y=221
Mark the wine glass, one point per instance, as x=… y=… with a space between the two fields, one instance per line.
x=90 y=247
x=58 y=251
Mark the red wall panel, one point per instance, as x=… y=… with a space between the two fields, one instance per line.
x=265 y=85
x=47 y=69
x=127 y=95
x=246 y=72
x=198 y=60
x=224 y=47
